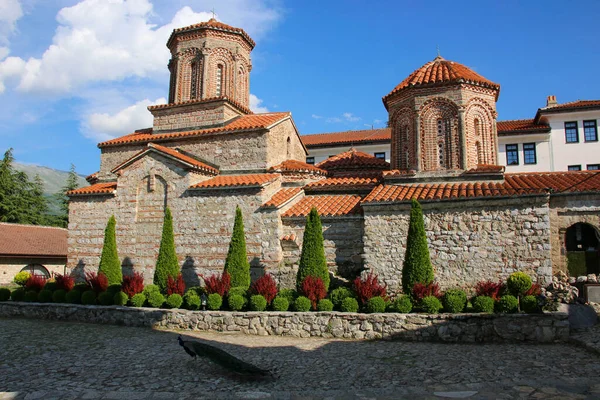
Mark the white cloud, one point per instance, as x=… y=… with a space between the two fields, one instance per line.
x=315 y=116
x=10 y=13
x=104 y=126
x=350 y=117
x=333 y=119
x=255 y=105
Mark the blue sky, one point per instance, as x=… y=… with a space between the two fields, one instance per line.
x=75 y=72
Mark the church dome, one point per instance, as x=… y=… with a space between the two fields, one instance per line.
x=441 y=72
x=211 y=24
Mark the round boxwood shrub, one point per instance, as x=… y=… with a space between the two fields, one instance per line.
x=174 y=300
x=483 y=304
x=280 y=304
x=238 y=290
x=120 y=299
x=214 y=301
x=149 y=289
x=59 y=296
x=4 y=294
x=302 y=304
x=51 y=286
x=529 y=304
x=431 y=305
x=235 y=302
x=289 y=294
x=81 y=287
x=31 y=296
x=518 y=283
x=114 y=289
x=349 y=304
x=375 y=305
x=191 y=300
x=73 y=297
x=338 y=295
x=45 y=296
x=88 y=298
x=507 y=304
x=454 y=301
x=156 y=299
x=138 y=300
x=258 y=303
x=105 y=298
x=402 y=304
x=325 y=305
x=17 y=294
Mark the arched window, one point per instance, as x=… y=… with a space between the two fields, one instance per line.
x=441 y=142
x=37 y=269
x=219 y=80
x=289 y=148
x=194 y=80
x=477 y=127
x=480 y=159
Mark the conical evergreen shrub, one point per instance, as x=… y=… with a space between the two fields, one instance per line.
x=109 y=260
x=312 y=259
x=236 y=263
x=417 y=263
x=166 y=264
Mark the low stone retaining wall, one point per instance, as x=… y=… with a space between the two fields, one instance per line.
x=548 y=327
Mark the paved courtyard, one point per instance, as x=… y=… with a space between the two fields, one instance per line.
x=64 y=360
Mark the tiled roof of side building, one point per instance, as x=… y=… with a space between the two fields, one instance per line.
x=347 y=137
x=327 y=206
x=353 y=160
x=297 y=166
x=101 y=188
x=32 y=240
x=243 y=123
x=519 y=126
x=282 y=196
x=227 y=181
x=573 y=105
x=344 y=182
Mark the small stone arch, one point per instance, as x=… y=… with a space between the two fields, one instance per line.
x=582 y=245
x=439 y=135
x=403 y=152
x=479 y=127
x=189 y=76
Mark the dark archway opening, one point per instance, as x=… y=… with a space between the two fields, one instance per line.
x=583 y=249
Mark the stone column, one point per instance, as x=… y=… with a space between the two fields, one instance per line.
x=462 y=130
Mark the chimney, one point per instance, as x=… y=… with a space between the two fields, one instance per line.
x=551 y=101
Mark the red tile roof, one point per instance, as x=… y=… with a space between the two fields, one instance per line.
x=92 y=178
x=353 y=160
x=243 y=123
x=234 y=103
x=398 y=172
x=348 y=137
x=486 y=169
x=226 y=181
x=97 y=188
x=172 y=153
x=297 y=166
x=513 y=185
x=214 y=25
x=573 y=105
x=518 y=126
x=282 y=196
x=344 y=182
x=442 y=72
x=32 y=240
x=327 y=206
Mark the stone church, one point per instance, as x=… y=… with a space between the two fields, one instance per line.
x=207 y=153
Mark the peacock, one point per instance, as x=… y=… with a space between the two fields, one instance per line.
x=223 y=358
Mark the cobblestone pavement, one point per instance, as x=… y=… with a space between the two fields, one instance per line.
x=64 y=360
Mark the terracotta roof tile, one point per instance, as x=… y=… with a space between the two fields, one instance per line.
x=212 y=24
x=327 y=206
x=348 y=137
x=297 y=166
x=442 y=72
x=234 y=103
x=92 y=178
x=32 y=240
x=243 y=123
x=226 y=181
x=353 y=160
x=398 y=172
x=173 y=153
x=344 y=182
x=291 y=237
x=486 y=169
x=282 y=196
x=101 y=188
x=519 y=126
x=558 y=182
x=573 y=105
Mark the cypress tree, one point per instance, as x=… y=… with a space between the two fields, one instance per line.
x=236 y=263
x=312 y=259
x=109 y=260
x=417 y=263
x=167 y=264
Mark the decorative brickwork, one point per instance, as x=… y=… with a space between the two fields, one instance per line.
x=439 y=136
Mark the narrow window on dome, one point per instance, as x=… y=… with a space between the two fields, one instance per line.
x=479 y=154
x=219 y=82
x=477 y=127
x=194 y=81
x=443 y=139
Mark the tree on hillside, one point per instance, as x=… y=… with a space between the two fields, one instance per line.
x=70 y=184
x=236 y=263
x=109 y=260
x=312 y=259
x=417 y=263
x=166 y=264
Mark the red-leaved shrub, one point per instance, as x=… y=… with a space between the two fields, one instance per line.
x=35 y=282
x=265 y=286
x=133 y=284
x=420 y=291
x=534 y=290
x=98 y=282
x=175 y=286
x=217 y=284
x=314 y=288
x=368 y=288
x=64 y=282
x=490 y=289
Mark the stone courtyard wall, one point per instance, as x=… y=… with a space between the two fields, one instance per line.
x=468 y=241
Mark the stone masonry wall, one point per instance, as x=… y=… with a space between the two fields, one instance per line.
x=193 y=116
x=462 y=328
x=279 y=149
x=468 y=241
x=9 y=266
